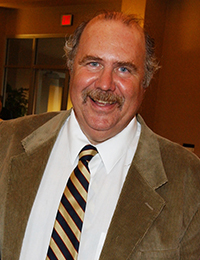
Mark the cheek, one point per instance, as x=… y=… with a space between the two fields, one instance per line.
x=128 y=88
x=78 y=83
x=82 y=78
x=133 y=94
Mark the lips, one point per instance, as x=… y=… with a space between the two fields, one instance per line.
x=103 y=98
x=102 y=103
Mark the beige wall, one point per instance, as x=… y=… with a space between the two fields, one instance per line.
x=155 y=16
x=176 y=100
x=46 y=20
x=134 y=7
x=3 y=13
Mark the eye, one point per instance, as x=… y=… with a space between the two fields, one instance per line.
x=94 y=64
x=123 y=69
x=126 y=69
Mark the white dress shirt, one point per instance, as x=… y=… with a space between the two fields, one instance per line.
x=108 y=171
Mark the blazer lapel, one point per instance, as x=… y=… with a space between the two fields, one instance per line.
x=26 y=170
x=139 y=204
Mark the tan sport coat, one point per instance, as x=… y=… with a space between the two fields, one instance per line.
x=157 y=215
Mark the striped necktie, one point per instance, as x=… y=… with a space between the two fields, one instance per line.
x=65 y=238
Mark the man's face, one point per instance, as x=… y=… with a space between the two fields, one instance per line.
x=106 y=81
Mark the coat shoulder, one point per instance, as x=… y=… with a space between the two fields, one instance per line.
x=182 y=168
x=174 y=153
x=13 y=131
x=25 y=125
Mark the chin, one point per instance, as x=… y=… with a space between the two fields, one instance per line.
x=100 y=126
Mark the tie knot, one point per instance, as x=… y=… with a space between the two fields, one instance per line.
x=87 y=153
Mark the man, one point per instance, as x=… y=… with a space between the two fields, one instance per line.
x=144 y=192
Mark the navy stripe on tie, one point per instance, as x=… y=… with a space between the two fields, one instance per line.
x=61 y=245
x=81 y=178
x=51 y=254
x=67 y=230
x=76 y=195
x=72 y=212
x=86 y=158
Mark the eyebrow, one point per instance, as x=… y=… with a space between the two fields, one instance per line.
x=130 y=65
x=89 y=58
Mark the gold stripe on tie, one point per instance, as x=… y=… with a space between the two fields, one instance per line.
x=68 y=218
x=56 y=250
x=74 y=204
x=89 y=151
x=65 y=239
x=79 y=187
x=84 y=171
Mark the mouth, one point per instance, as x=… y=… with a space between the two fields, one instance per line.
x=103 y=98
x=102 y=103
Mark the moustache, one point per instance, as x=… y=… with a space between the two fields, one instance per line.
x=98 y=95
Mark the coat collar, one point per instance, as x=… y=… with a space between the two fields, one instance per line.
x=45 y=133
x=148 y=158
x=139 y=204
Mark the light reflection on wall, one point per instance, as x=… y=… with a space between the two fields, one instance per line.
x=55 y=96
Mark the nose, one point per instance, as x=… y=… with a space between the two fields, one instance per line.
x=105 y=80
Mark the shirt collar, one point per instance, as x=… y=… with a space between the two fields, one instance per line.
x=110 y=151
x=76 y=139
x=114 y=148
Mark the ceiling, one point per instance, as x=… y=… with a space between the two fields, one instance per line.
x=43 y=3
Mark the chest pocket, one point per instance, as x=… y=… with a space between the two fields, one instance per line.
x=172 y=254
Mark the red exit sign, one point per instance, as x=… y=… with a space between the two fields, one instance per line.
x=66 y=20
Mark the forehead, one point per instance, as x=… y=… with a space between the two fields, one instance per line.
x=112 y=35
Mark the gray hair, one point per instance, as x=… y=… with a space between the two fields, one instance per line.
x=151 y=64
